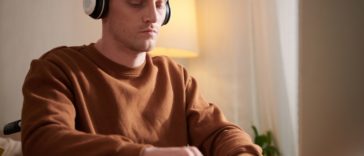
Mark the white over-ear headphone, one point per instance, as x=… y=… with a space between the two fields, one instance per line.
x=98 y=9
x=95 y=8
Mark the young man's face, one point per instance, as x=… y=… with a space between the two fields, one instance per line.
x=135 y=24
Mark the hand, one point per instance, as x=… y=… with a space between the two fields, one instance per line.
x=245 y=154
x=171 y=151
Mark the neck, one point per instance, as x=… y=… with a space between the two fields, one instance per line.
x=120 y=55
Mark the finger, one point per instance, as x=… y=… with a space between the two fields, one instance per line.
x=195 y=151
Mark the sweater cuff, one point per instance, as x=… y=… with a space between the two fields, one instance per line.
x=252 y=150
x=133 y=149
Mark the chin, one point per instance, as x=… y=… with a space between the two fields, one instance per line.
x=149 y=47
x=144 y=46
x=144 y=49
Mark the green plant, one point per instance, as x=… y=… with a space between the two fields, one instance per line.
x=265 y=141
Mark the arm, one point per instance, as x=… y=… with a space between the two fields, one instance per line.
x=246 y=154
x=49 y=114
x=168 y=151
x=211 y=132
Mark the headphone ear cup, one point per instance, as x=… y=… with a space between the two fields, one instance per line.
x=168 y=13
x=96 y=8
x=99 y=8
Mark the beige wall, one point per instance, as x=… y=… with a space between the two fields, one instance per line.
x=223 y=68
x=331 y=78
x=27 y=30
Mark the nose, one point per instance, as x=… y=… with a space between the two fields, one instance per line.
x=151 y=14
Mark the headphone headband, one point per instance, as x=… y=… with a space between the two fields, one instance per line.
x=98 y=9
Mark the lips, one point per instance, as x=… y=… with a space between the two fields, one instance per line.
x=149 y=32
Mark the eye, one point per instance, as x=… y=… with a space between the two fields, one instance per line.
x=136 y=3
x=161 y=4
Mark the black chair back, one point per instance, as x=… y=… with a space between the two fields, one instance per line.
x=12 y=127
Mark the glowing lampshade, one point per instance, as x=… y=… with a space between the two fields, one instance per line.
x=179 y=37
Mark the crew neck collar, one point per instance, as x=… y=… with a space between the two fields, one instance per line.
x=112 y=67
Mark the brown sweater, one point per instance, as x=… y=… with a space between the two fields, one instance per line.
x=78 y=102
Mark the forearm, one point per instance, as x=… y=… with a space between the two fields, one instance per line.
x=246 y=154
x=210 y=130
x=58 y=141
x=180 y=151
x=168 y=151
x=234 y=141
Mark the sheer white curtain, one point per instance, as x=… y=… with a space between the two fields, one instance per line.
x=248 y=64
x=275 y=69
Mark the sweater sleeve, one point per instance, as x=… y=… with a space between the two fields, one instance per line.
x=48 y=119
x=210 y=131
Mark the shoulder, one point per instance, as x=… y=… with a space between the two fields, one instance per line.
x=170 y=67
x=163 y=59
x=62 y=52
x=59 y=60
x=167 y=62
x=67 y=57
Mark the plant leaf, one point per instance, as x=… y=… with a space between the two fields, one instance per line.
x=255 y=130
x=269 y=137
x=261 y=140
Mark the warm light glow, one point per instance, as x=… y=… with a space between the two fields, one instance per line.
x=179 y=37
x=171 y=52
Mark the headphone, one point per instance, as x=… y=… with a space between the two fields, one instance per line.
x=98 y=9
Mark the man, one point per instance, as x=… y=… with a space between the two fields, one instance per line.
x=112 y=98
